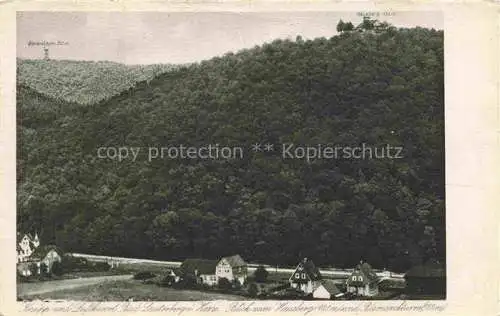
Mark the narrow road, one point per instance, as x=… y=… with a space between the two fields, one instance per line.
x=51 y=286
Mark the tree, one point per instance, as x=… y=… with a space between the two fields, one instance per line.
x=348 y=27
x=253 y=289
x=261 y=274
x=57 y=268
x=367 y=24
x=340 y=26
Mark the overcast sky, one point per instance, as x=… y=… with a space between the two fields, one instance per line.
x=160 y=37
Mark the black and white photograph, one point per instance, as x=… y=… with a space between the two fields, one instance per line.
x=230 y=156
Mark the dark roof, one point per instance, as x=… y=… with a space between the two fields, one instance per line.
x=429 y=270
x=330 y=286
x=235 y=261
x=20 y=237
x=308 y=267
x=203 y=266
x=177 y=271
x=367 y=271
x=312 y=270
x=364 y=270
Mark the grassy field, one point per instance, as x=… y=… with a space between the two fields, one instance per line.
x=130 y=289
x=72 y=275
x=137 y=267
x=278 y=276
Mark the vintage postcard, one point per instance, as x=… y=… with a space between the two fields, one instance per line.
x=235 y=158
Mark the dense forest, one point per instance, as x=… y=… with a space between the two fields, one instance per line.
x=83 y=81
x=375 y=85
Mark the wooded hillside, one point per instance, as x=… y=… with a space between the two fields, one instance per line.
x=379 y=88
x=83 y=82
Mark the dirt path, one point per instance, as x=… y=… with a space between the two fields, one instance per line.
x=24 y=289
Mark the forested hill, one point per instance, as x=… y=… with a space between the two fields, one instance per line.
x=83 y=82
x=359 y=87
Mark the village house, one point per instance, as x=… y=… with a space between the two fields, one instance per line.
x=328 y=290
x=31 y=256
x=26 y=245
x=47 y=255
x=201 y=269
x=306 y=277
x=363 y=281
x=232 y=268
x=427 y=279
x=24 y=268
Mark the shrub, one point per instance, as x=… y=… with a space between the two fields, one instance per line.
x=44 y=269
x=261 y=274
x=100 y=266
x=224 y=284
x=249 y=279
x=236 y=284
x=74 y=264
x=144 y=275
x=253 y=290
x=33 y=269
x=188 y=281
x=292 y=293
x=167 y=280
x=57 y=268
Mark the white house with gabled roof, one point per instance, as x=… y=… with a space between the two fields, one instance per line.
x=232 y=268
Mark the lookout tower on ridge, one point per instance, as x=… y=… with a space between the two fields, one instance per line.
x=46 y=45
x=46 y=53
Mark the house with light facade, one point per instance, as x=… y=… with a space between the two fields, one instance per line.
x=232 y=268
x=47 y=255
x=26 y=245
x=31 y=256
x=363 y=281
x=306 y=277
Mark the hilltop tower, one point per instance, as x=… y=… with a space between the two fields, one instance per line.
x=46 y=53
